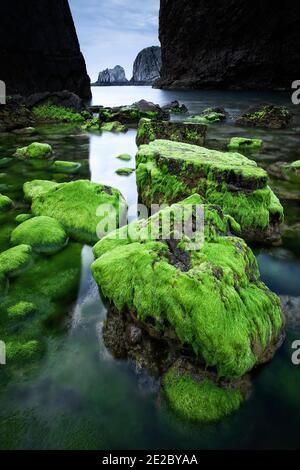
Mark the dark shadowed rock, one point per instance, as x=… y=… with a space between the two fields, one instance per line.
x=147 y=65
x=14 y=116
x=267 y=116
x=189 y=133
x=40 y=50
x=65 y=99
x=235 y=44
x=112 y=77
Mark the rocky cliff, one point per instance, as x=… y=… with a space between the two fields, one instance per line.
x=147 y=65
x=234 y=44
x=112 y=77
x=39 y=49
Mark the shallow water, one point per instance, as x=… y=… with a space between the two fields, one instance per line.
x=77 y=396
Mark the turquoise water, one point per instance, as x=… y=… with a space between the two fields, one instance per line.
x=78 y=396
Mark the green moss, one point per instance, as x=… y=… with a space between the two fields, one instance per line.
x=5 y=203
x=75 y=206
x=217 y=305
x=125 y=171
x=21 y=310
x=92 y=125
x=168 y=172
x=208 y=117
x=15 y=260
x=200 y=400
x=23 y=352
x=114 y=126
x=65 y=167
x=49 y=112
x=43 y=234
x=23 y=217
x=124 y=157
x=240 y=143
x=291 y=171
x=36 y=188
x=35 y=151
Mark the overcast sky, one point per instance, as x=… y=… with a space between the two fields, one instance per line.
x=112 y=32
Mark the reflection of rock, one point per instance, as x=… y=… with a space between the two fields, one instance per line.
x=147 y=65
x=112 y=77
x=291 y=308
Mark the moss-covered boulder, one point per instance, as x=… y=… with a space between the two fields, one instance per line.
x=132 y=114
x=125 y=171
x=237 y=144
x=190 y=133
x=198 y=396
x=23 y=352
x=168 y=171
x=201 y=290
x=92 y=125
x=23 y=217
x=21 y=310
x=78 y=206
x=43 y=234
x=125 y=157
x=37 y=187
x=60 y=166
x=48 y=112
x=175 y=108
x=291 y=171
x=114 y=126
x=15 y=260
x=266 y=116
x=5 y=203
x=35 y=151
x=209 y=116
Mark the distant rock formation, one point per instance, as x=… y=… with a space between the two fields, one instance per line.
x=233 y=44
x=147 y=65
x=112 y=77
x=39 y=49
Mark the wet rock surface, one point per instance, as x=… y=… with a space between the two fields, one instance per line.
x=146 y=67
x=189 y=133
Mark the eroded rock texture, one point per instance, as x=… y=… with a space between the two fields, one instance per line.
x=40 y=50
x=233 y=44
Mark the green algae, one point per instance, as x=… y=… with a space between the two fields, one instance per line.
x=125 y=157
x=216 y=304
x=36 y=188
x=43 y=234
x=169 y=171
x=15 y=260
x=114 y=126
x=5 y=203
x=240 y=143
x=21 y=310
x=125 y=171
x=17 y=352
x=35 y=150
x=65 y=167
x=92 y=125
x=200 y=400
x=23 y=218
x=50 y=112
x=75 y=205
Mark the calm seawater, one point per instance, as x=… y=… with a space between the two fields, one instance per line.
x=79 y=396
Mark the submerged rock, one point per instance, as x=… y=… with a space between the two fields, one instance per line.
x=125 y=171
x=169 y=171
x=125 y=157
x=15 y=260
x=132 y=114
x=76 y=205
x=5 y=203
x=210 y=116
x=43 y=234
x=200 y=292
x=247 y=145
x=35 y=151
x=190 y=133
x=65 y=167
x=114 y=126
x=266 y=116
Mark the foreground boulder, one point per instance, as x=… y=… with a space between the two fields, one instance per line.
x=169 y=171
x=190 y=133
x=76 y=206
x=266 y=116
x=132 y=114
x=200 y=292
x=35 y=150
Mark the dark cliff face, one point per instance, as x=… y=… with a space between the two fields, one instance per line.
x=147 y=65
x=234 y=44
x=39 y=49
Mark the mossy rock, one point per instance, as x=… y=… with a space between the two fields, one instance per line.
x=209 y=116
x=247 y=145
x=266 y=116
x=114 y=126
x=168 y=172
x=17 y=352
x=125 y=157
x=51 y=113
x=291 y=171
x=21 y=310
x=205 y=288
x=199 y=397
x=5 y=203
x=75 y=206
x=15 y=260
x=131 y=115
x=65 y=167
x=44 y=234
x=189 y=133
x=37 y=188
x=23 y=218
x=92 y=125
x=125 y=171
x=35 y=151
